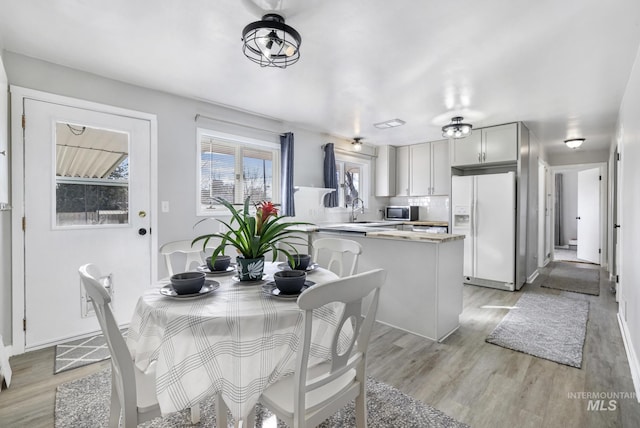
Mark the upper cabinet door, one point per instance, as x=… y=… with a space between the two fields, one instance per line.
x=500 y=143
x=386 y=171
x=467 y=151
x=402 y=171
x=441 y=170
x=420 y=170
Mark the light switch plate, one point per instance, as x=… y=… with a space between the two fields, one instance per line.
x=165 y=206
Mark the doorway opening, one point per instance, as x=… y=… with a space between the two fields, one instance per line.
x=579 y=199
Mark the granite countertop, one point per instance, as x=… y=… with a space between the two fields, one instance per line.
x=414 y=236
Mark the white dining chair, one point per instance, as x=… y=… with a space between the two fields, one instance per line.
x=193 y=254
x=314 y=393
x=337 y=249
x=133 y=392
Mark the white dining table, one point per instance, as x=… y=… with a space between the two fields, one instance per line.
x=234 y=341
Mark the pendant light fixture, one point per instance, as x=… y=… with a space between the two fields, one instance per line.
x=357 y=144
x=574 y=143
x=456 y=129
x=271 y=43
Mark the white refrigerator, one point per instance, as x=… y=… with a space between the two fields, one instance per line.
x=483 y=208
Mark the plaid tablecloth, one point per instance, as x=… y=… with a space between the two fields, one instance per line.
x=236 y=341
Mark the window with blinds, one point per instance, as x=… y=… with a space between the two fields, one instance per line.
x=235 y=170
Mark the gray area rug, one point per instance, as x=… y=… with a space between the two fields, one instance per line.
x=85 y=403
x=81 y=352
x=546 y=326
x=566 y=277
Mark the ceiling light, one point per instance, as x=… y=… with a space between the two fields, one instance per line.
x=574 y=143
x=357 y=144
x=271 y=43
x=389 y=124
x=456 y=129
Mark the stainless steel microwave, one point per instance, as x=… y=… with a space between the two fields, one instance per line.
x=409 y=213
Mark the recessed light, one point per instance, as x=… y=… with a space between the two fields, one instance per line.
x=392 y=123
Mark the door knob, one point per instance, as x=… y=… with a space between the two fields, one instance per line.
x=577 y=218
x=142 y=231
x=615 y=226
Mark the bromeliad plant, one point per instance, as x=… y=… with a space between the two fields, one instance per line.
x=255 y=235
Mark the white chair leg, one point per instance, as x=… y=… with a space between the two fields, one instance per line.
x=114 y=411
x=361 y=407
x=221 y=412
x=195 y=414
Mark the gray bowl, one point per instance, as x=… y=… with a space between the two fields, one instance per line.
x=187 y=282
x=221 y=263
x=290 y=281
x=301 y=261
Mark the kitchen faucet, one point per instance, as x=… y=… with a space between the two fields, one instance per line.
x=353 y=209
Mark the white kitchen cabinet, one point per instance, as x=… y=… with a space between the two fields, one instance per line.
x=485 y=146
x=386 y=171
x=429 y=170
x=441 y=168
x=420 y=169
x=402 y=171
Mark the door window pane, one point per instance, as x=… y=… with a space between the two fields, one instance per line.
x=92 y=176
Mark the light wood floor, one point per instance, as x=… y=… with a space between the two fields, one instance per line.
x=475 y=382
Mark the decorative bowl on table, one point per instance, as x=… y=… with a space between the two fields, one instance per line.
x=220 y=263
x=290 y=281
x=301 y=261
x=187 y=282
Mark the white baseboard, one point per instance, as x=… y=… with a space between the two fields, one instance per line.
x=634 y=364
x=533 y=276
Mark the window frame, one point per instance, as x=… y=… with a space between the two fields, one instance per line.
x=365 y=186
x=238 y=142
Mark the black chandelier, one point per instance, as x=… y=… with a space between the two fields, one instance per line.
x=271 y=43
x=456 y=129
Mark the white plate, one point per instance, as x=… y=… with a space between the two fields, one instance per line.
x=310 y=268
x=205 y=269
x=236 y=278
x=208 y=287
x=271 y=289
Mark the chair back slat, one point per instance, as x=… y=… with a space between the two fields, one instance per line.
x=350 y=292
x=123 y=374
x=337 y=249
x=194 y=255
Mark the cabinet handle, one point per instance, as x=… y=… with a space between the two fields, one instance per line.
x=479 y=157
x=484 y=156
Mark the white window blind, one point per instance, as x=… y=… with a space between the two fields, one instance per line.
x=235 y=170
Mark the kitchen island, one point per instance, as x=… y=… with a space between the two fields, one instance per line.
x=423 y=291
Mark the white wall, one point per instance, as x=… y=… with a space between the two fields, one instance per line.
x=177 y=165
x=628 y=131
x=5 y=216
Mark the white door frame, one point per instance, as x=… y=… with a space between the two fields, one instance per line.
x=17 y=188
x=604 y=189
x=544 y=212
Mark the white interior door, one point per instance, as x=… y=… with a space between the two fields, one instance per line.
x=495 y=224
x=589 y=215
x=87 y=200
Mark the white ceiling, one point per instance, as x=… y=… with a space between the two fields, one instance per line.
x=559 y=66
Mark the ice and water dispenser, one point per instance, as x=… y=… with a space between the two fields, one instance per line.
x=461 y=217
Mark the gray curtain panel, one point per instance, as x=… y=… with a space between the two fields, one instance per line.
x=559 y=239
x=330 y=176
x=286 y=167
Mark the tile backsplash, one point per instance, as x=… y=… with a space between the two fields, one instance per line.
x=434 y=208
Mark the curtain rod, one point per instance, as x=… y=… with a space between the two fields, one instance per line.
x=230 y=122
x=349 y=152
